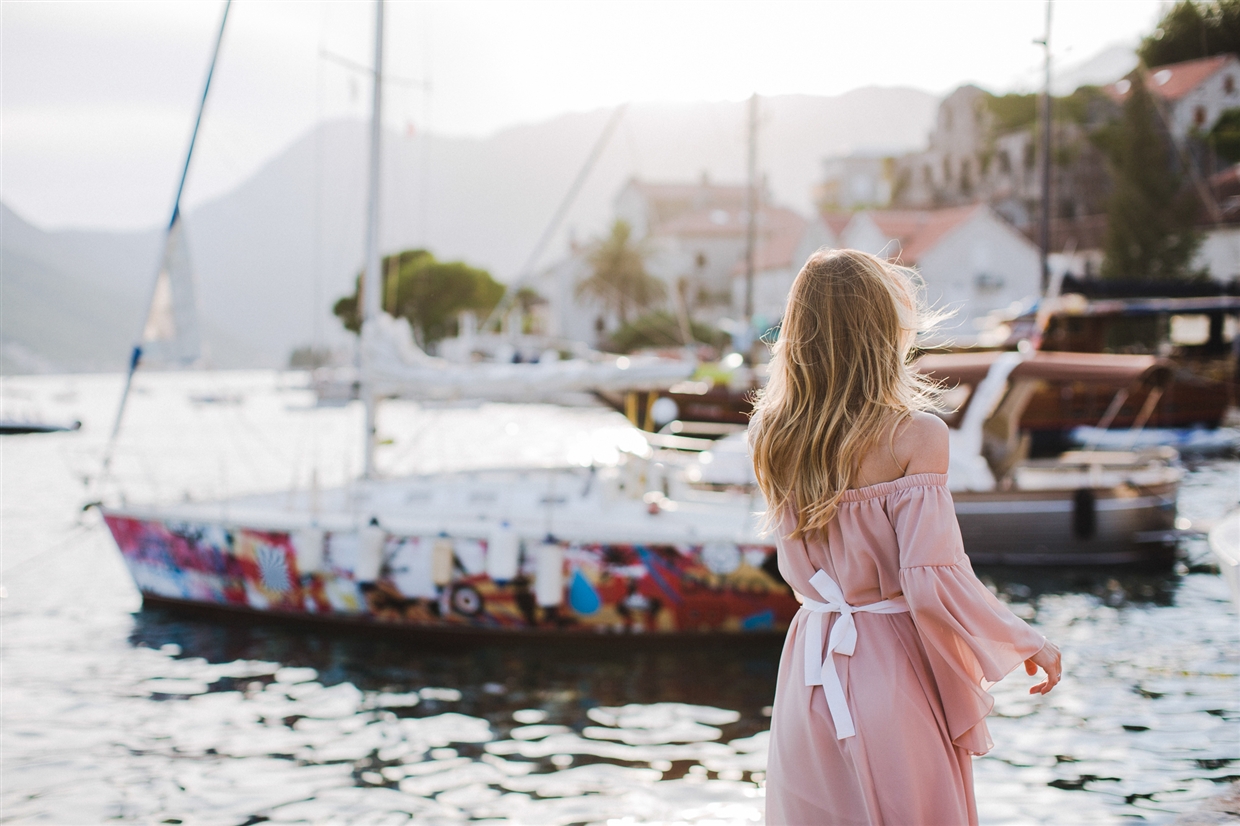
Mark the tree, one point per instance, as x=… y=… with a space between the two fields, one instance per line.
x=1224 y=138
x=618 y=279
x=1150 y=234
x=430 y=294
x=1193 y=29
x=661 y=329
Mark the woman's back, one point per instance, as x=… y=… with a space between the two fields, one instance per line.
x=881 y=695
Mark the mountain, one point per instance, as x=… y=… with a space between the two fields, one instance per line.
x=74 y=300
x=273 y=254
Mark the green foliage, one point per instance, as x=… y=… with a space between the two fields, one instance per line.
x=309 y=357
x=1150 y=234
x=428 y=293
x=618 y=278
x=660 y=329
x=1224 y=138
x=1193 y=29
x=1012 y=112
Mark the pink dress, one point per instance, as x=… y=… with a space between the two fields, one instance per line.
x=926 y=640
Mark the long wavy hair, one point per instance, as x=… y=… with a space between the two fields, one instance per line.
x=839 y=378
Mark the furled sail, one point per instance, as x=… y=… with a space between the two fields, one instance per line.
x=170 y=335
x=398 y=367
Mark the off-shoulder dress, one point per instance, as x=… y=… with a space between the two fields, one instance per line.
x=926 y=639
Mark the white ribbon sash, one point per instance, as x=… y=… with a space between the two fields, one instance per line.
x=843 y=640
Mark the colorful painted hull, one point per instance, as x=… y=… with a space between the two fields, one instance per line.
x=441 y=584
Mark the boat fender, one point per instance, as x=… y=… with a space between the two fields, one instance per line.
x=369 y=553
x=308 y=545
x=549 y=574
x=503 y=553
x=1084 y=514
x=441 y=561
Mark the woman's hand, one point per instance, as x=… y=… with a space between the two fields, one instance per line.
x=1048 y=660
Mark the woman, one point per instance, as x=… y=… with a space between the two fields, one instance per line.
x=881 y=697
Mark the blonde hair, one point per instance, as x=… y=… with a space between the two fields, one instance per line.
x=839 y=376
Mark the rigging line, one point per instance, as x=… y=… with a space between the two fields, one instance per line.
x=527 y=270
x=136 y=355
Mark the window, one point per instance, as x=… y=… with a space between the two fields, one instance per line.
x=947 y=170
x=987 y=283
x=1199 y=116
x=1229 y=85
x=1005 y=163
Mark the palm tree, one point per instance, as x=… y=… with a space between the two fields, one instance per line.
x=618 y=279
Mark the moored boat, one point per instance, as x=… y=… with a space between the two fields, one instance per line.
x=1085 y=507
x=583 y=550
x=564 y=551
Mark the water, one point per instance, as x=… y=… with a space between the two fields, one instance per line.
x=112 y=713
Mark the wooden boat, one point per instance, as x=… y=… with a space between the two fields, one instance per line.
x=1087 y=507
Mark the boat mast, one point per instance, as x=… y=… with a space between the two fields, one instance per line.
x=371 y=286
x=751 y=229
x=136 y=355
x=1045 y=234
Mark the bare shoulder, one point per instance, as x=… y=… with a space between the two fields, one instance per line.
x=921 y=444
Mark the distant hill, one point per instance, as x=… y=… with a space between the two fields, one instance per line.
x=260 y=250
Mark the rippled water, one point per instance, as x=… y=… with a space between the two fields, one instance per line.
x=114 y=713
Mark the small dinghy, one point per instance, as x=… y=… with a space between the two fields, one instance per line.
x=17 y=427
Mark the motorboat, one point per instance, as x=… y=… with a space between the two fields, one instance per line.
x=1084 y=507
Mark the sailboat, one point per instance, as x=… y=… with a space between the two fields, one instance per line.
x=546 y=551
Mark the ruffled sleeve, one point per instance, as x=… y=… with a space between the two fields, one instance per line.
x=971 y=638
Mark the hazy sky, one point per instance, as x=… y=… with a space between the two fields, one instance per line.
x=97 y=97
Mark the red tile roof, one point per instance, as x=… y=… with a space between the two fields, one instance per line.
x=1178 y=79
x=918 y=230
x=778 y=239
x=836 y=221
x=1175 y=80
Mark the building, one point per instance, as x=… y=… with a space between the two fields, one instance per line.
x=986 y=149
x=856 y=181
x=1194 y=93
x=697 y=235
x=971 y=260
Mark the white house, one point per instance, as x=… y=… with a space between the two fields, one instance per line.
x=783 y=237
x=1195 y=92
x=972 y=261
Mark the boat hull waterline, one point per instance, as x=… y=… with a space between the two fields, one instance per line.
x=438 y=582
x=633 y=589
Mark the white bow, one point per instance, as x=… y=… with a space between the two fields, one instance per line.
x=843 y=640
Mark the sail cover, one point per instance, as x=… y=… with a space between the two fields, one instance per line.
x=170 y=336
x=396 y=366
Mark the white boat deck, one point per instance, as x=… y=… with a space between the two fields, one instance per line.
x=569 y=504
